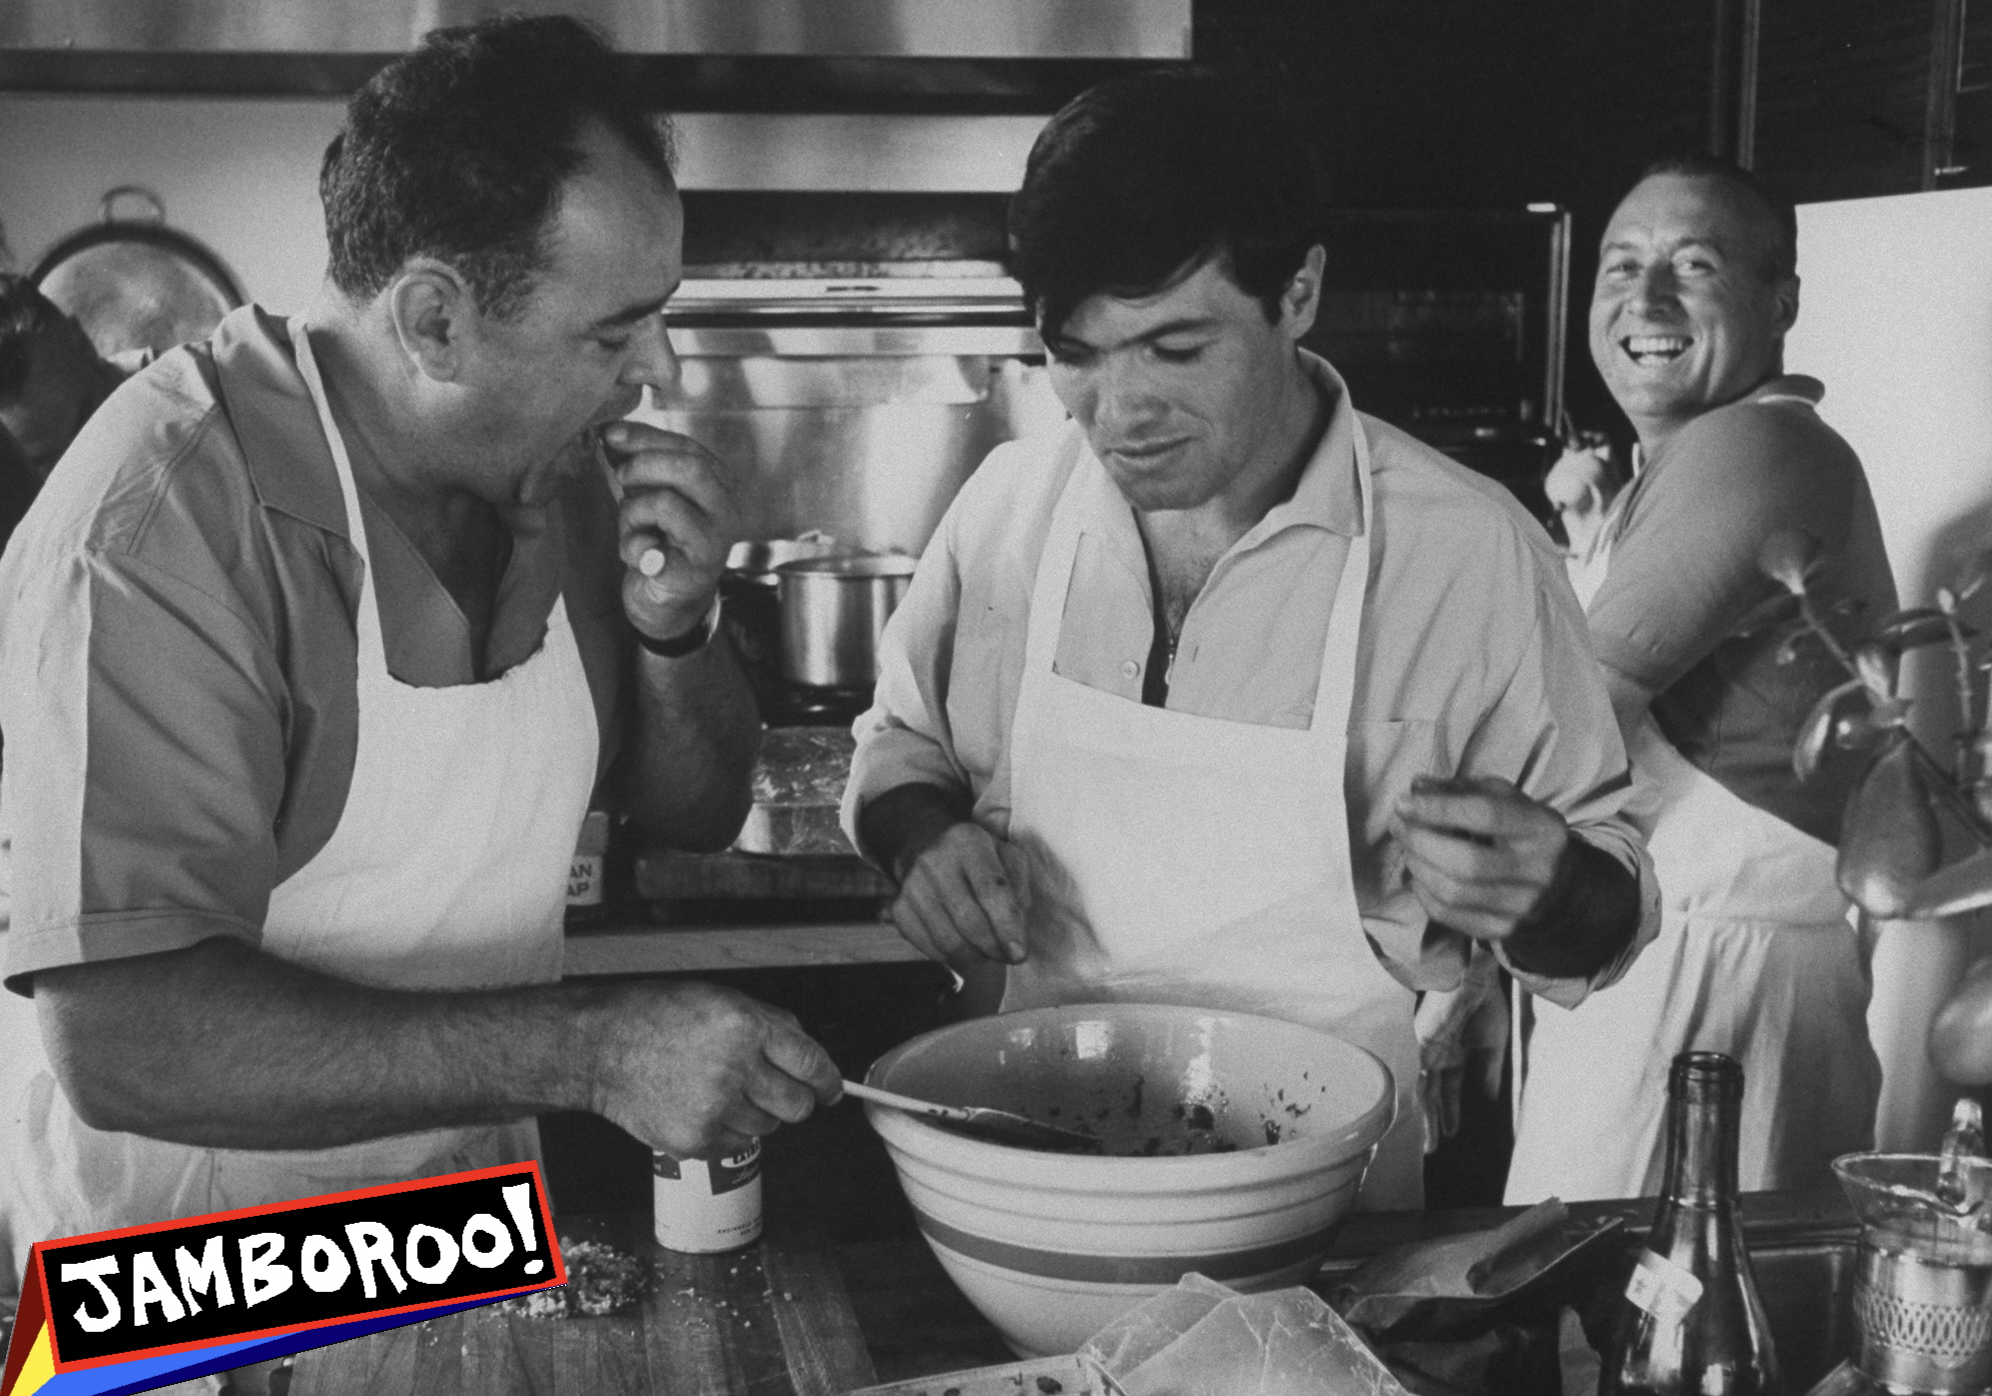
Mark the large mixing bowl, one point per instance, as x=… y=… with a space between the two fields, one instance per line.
x=1051 y=1247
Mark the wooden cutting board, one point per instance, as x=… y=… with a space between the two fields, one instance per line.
x=772 y=1320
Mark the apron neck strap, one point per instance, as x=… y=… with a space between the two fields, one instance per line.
x=342 y=462
x=1334 y=693
x=366 y=623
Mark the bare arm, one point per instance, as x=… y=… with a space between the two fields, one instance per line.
x=697 y=728
x=219 y=1045
x=692 y=755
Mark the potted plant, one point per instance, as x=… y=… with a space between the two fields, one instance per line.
x=1916 y=838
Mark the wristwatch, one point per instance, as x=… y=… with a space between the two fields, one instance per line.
x=691 y=642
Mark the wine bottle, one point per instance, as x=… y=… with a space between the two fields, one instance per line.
x=1691 y=1322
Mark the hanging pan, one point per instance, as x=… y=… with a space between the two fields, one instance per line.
x=134 y=282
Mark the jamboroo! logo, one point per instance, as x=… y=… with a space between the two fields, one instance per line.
x=127 y=1310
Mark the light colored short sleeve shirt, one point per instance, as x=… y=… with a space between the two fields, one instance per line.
x=1472 y=658
x=178 y=654
x=1684 y=572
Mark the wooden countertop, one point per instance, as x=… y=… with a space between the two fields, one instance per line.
x=709 y=947
x=840 y=1293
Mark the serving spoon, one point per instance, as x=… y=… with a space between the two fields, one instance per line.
x=985 y=1122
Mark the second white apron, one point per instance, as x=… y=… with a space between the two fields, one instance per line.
x=1757 y=957
x=1184 y=859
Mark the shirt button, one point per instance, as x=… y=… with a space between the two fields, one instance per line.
x=1130 y=668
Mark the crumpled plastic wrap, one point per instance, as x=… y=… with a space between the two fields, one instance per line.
x=1452 y=1286
x=1206 y=1339
x=798 y=785
x=803 y=765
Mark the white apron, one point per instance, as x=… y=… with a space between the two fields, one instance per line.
x=1757 y=957
x=447 y=870
x=1184 y=859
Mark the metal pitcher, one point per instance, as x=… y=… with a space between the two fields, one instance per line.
x=1923 y=1276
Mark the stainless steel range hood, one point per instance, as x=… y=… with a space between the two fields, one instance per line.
x=953 y=29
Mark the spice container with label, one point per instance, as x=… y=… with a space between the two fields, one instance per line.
x=1691 y=1319
x=587 y=875
x=707 y=1205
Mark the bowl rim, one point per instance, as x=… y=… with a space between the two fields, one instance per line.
x=1086 y=1173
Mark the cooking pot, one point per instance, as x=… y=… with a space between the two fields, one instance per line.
x=833 y=609
x=753 y=604
x=133 y=282
x=755 y=560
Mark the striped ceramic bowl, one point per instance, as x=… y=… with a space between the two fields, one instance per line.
x=1234 y=1147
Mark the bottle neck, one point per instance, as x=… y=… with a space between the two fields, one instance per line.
x=1703 y=1116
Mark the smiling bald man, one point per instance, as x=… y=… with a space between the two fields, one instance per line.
x=1697 y=285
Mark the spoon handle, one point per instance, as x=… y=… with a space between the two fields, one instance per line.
x=907 y=1102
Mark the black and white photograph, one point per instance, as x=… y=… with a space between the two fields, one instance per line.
x=1135 y=697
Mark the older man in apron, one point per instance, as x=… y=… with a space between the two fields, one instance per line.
x=291 y=917
x=1757 y=955
x=1158 y=715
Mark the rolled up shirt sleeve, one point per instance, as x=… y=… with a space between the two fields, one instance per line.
x=905 y=737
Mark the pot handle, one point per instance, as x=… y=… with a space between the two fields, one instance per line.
x=108 y=204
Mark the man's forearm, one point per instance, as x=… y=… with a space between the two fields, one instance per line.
x=1587 y=918
x=692 y=753
x=894 y=827
x=221 y=1046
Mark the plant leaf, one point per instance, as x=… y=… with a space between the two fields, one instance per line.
x=1768 y=614
x=1877 y=669
x=1889 y=712
x=1820 y=724
x=1965 y=885
x=1973 y=575
x=1788 y=651
x=1917 y=626
x=1786 y=556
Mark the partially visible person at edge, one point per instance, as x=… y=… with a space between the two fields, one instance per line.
x=1757 y=957
x=312 y=651
x=51 y=379
x=1153 y=717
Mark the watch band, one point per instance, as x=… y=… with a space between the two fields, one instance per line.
x=691 y=642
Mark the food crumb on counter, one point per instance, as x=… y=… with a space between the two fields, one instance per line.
x=601 y=1280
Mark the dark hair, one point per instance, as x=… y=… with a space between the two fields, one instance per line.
x=458 y=150
x=1780 y=213
x=1139 y=180
x=24 y=314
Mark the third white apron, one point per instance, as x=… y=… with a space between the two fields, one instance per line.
x=447 y=870
x=1757 y=957
x=1184 y=859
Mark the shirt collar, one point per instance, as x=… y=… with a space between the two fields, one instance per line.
x=1784 y=387
x=284 y=448
x=1326 y=496
x=1789 y=387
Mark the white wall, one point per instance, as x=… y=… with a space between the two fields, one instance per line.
x=1896 y=317
x=239 y=174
